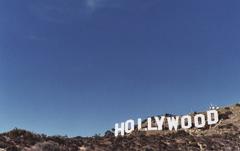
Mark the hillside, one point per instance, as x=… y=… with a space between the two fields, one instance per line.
x=225 y=135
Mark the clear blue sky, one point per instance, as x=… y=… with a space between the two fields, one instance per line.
x=77 y=67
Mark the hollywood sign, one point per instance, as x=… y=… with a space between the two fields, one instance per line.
x=185 y=122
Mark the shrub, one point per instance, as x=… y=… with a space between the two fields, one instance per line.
x=225 y=115
x=227 y=108
x=13 y=148
x=46 y=146
x=109 y=134
x=97 y=136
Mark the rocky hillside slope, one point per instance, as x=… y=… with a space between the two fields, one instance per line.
x=223 y=136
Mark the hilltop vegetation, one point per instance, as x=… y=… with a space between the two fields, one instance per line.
x=225 y=135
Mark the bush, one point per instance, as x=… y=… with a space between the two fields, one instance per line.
x=58 y=139
x=225 y=115
x=13 y=148
x=46 y=146
x=97 y=136
x=109 y=134
x=227 y=126
x=227 y=108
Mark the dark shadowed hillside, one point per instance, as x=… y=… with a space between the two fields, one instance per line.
x=223 y=136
